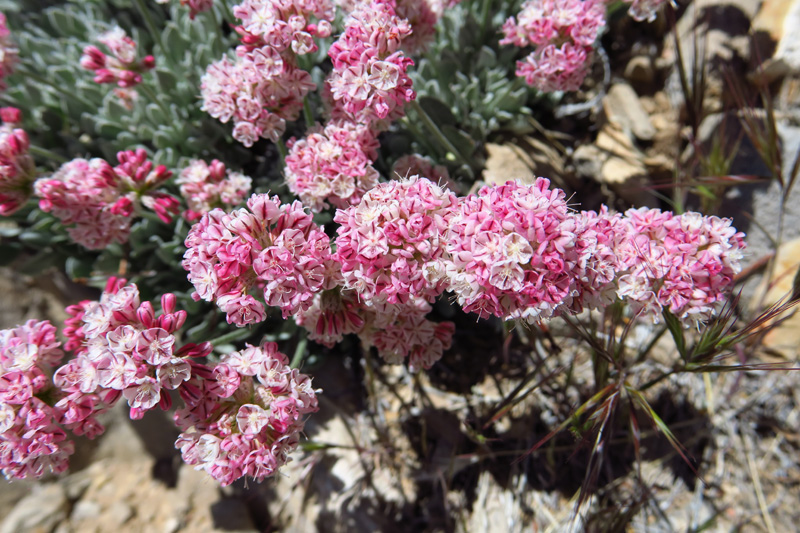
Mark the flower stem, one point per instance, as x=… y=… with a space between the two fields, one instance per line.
x=282 y=150
x=235 y=335
x=48 y=154
x=151 y=27
x=218 y=28
x=307 y=113
x=437 y=133
x=299 y=352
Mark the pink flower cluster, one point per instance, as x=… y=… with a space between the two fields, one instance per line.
x=284 y=24
x=9 y=55
x=99 y=201
x=390 y=245
x=121 y=67
x=563 y=32
x=511 y=251
x=17 y=170
x=333 y=165
x=195 y=6
x=407 y=334
x=244 y=416
x=206 y=186
x=124 y=349
x=31 y=442
x=369 y=81
x=681 y=263
x=268 y=249
x=599 y=237
x=263 y=87
x=260 y=91
x=516 y=252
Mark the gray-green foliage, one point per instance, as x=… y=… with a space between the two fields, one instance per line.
x=466 y=81
x=66 y=110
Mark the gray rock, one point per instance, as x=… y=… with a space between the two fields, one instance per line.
x=39 y=512
x=622 y=107
x=85 y=510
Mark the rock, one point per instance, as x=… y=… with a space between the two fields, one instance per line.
x=85 y=510
x=623 y=109
x=507 y=162
x=614 y=161
x=640 y=69
x=39 y=512
x=718 y=35
x=785 y=337
x=778 y=19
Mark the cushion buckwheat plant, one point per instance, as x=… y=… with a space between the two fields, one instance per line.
x=124 y=349
x=563 y=32
x=9 y=54
x=332 y=165
x=121 y=67
x=17 y=170
x=263 y=87
x=369 y=81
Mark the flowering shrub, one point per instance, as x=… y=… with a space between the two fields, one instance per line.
x=395 y=249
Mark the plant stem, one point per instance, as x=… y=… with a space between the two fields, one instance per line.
x=282 y=150
x=437 y=133
x=486 y=4
x=307 y=113
x=234 y=335
x=154 y=98
x=151 y=27
x=299 y=352
x=44 y=152
x=218 y=29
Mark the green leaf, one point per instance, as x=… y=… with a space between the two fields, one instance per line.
x=166 y=80
x=438 y=111
x=78 y=267
x=676 y=330
x=461 y=140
